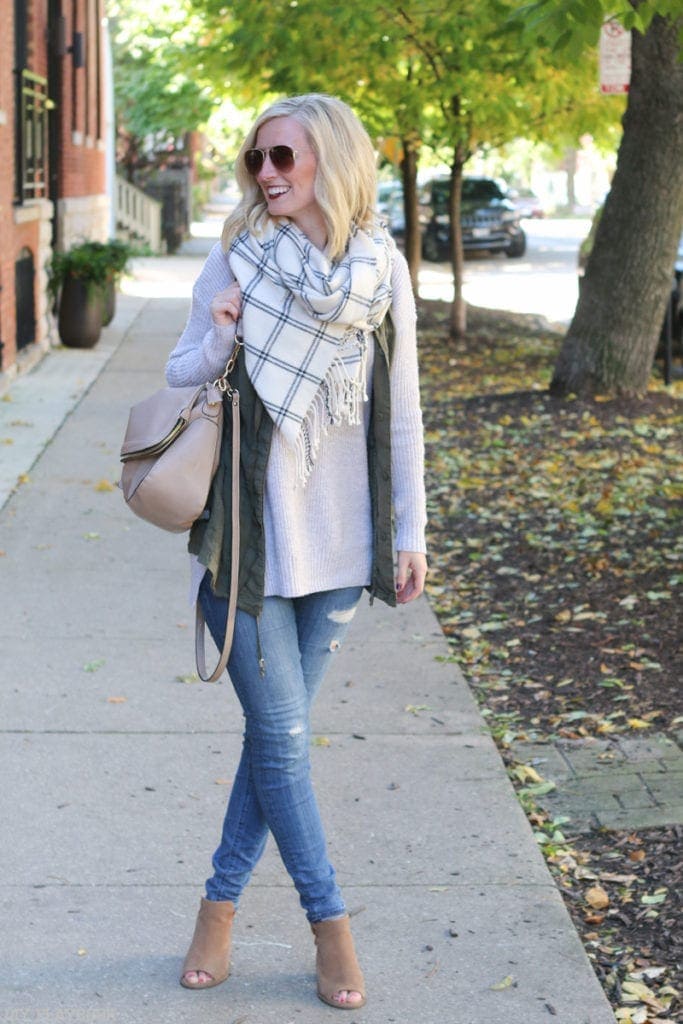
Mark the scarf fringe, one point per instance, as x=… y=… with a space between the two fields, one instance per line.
x=339 y=399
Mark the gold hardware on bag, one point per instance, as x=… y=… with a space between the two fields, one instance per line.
x=160 y=446
x=222 y=382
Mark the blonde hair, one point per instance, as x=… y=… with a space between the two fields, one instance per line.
x=346 y=174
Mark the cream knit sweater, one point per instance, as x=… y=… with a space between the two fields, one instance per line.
x=319 y=536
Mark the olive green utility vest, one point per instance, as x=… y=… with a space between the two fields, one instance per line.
x=210 y=537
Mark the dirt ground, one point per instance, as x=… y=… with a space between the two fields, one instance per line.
x=555 y=570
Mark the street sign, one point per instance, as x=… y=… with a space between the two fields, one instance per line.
x=615 y=57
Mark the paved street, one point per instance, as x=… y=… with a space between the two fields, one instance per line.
x=117 y=764
x=543 y=281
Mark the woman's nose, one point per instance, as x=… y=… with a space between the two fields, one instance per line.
x=268 y=170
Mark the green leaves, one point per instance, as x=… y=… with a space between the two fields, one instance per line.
x=573 y=25
x=158 y=96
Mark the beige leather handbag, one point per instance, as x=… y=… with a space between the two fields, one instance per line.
x=170 y=453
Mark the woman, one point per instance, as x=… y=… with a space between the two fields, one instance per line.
x=323 y=304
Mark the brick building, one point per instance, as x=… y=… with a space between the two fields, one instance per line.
x=53 y=156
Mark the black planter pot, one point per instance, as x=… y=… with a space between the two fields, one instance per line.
x=81 y=308
x=109 y=302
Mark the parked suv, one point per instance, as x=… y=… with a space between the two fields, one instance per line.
x=489 y=219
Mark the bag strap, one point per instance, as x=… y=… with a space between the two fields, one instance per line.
x=200 y=622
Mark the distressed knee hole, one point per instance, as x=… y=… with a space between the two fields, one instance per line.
x=296 y=730
x=335 y=645
x=343 y=615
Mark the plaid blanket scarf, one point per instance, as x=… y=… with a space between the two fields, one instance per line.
x=304 y=325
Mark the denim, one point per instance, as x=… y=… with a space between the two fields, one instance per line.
x=276 y=666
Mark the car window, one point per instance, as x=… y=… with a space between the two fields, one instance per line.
x=478 y=190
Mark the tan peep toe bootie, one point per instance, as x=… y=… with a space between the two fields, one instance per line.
x=209 y=950
x=336 y=964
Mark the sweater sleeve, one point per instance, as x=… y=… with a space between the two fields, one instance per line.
x=407 y=441
x=204 y=347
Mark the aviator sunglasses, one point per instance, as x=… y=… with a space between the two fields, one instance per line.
x=281 y=157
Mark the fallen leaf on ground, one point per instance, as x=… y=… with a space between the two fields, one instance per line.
x=597 y=897
x=649 y=973
x=631 y=1015
x=637 y=992
x=525 y=772
x=608 y=876
x=657 y=897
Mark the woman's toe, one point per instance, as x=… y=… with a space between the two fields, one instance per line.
x=197 y=977
x=350 y=997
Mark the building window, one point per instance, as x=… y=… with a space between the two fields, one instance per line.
x=31 y=136
x=20 y=35
x=99 y=63
x=24 y=274
x=75 y=119
x=87 y=46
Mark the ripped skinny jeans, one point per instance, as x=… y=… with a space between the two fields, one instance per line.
x=272 y=788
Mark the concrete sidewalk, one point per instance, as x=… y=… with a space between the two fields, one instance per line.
x=116 y=769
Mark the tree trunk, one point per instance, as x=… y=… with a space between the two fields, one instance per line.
x=570 y=169
x=410 y=209
x=610 y=344
x=458 y=321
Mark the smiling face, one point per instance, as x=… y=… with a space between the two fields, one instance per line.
x=291 y=193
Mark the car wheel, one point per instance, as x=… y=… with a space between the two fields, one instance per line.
x=517 y=247
x=431 y=250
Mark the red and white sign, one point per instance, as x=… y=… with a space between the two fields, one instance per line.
x=615 y=57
